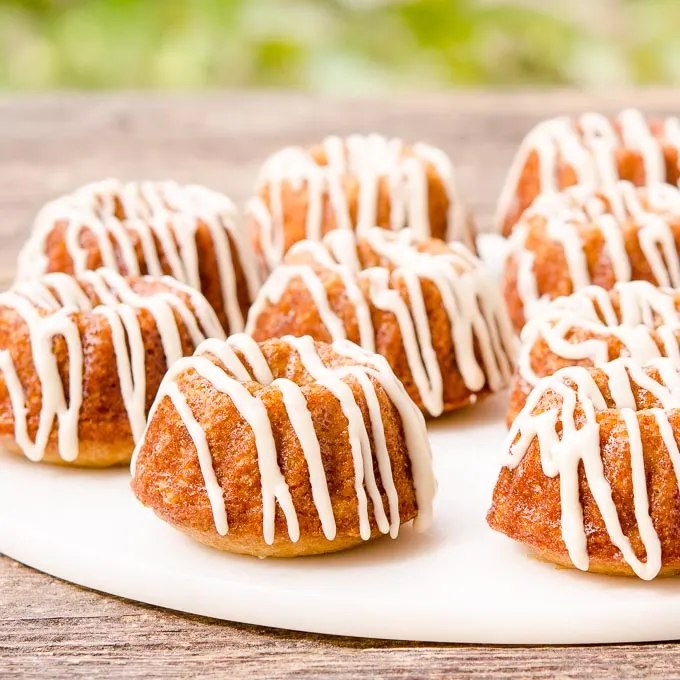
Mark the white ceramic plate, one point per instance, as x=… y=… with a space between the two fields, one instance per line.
x=460 y=582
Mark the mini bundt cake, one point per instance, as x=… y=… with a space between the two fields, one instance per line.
x=594 y=326
x=81 y=359
x=285 y=448
x=355 y=183
x=430 y=308
x=591 y=477
x=564 y=243
x=591 y=150
x=155 y=228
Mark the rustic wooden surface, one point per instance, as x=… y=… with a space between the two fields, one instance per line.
x=51 y=144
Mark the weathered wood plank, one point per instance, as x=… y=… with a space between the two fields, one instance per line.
x=52 y=629
x=51 y=144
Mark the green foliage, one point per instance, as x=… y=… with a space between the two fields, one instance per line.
x=356 y=46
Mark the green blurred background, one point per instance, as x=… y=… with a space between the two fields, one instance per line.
x=345 y=46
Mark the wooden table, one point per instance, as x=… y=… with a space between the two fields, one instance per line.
x=51 y=144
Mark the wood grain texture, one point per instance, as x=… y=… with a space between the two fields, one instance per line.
x=51 y=144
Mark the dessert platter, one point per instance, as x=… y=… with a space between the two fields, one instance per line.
x=344 y=412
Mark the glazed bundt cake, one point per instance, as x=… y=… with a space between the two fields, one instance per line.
x=285 y=448
x=591 y=477
x=156 y=228
x=81 y=359
x=592 y=150
x=564 y=243
x=430 y=308
x=594 y=326
x=356 y=183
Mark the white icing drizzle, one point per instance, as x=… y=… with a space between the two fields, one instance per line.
x=369 y=159
x=366 y=373
x=621 y=199
x=562 y=455
x=645 y=312
x=164 y=217
x=588 y=144
x=475 y=310
x=360 y=443
x=51 y=307
x=572 y=215
x=413 y=423
x=303 y=426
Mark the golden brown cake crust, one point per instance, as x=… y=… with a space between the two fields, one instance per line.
x=527 y=504
x=104 y=434
x=306 y=546
x=101 y=445
x=598 y=566
x=167 y=476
